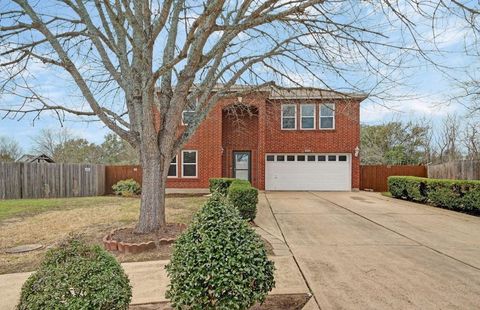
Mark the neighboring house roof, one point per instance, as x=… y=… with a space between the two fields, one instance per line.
x=278 y=92
x=28 y=158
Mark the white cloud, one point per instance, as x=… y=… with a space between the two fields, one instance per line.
x=426 y=107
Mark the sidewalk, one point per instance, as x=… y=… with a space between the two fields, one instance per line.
x=149 y=282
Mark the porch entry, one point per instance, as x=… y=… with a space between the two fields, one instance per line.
x=242 y=165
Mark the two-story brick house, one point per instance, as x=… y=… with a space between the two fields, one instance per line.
x=279 y=139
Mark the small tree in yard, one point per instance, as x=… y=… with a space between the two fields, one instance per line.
x=219 y=262
x=126 y=59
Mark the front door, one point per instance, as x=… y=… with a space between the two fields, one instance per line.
x=241 y=165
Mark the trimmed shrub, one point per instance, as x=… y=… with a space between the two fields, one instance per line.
x=219 y=262
x=411 y=188
x=461 y=195
x=77 y=276
x=220 y=185
x=127 y=188
x=240 y=193
x=397 y=187
x=471 y=199
x=244 y=197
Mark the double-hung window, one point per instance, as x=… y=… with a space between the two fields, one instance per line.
x=189 y=112
x=189 y=164
x=289 y=116
x=327 y=116
x=307 y=116
x=172 y=170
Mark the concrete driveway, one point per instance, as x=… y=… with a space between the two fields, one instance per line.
x=364 y=251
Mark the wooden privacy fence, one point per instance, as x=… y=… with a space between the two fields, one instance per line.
x=375 y=177
x=43 y=180
x=113 y=174
x=457 y=170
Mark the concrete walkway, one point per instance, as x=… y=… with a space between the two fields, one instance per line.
x=365 y=251
x=149 y=282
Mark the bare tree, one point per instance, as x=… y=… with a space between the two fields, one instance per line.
x=129 y=58
x=448 y=139
x=48 y=140
x=471 y=140
x=468 y=89
x=10 y=150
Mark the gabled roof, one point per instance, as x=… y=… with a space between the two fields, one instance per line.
x=28 y=158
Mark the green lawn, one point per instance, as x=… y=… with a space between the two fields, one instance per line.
x=29 y=207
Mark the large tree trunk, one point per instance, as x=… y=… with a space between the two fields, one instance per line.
x=152 y=207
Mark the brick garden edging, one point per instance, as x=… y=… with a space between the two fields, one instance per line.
x=134 y=248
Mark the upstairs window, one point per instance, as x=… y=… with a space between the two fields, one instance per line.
x=172 y=170
x=289 y=116
x=189 y=164
x=307 y=116
x=327 y=116
x=189 y=113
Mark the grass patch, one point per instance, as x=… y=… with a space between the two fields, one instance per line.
x=48 y=221
x=387 y=194
x=27 y=207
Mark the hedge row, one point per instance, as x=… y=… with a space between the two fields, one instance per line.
x=460 y=195
x=240 y=193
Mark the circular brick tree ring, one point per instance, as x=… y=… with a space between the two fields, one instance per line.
x=113 y=244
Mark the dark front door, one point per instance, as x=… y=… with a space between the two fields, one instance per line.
x=241 y=165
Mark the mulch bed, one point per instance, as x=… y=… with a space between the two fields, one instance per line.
x=170 y=231
x=273 y=302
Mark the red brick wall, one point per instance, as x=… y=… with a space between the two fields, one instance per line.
x=216 y=142
x=207 y=141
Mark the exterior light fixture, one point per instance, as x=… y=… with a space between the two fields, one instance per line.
x=357 y=151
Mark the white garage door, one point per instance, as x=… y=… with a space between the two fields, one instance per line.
x=314 y=172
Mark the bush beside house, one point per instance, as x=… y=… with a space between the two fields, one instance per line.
x=462 y=195
x=77 y=276
x=219 y=262
x=220 y=185
x=127 y=188
x=240 y=193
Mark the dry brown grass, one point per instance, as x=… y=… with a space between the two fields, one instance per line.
x=92 y=221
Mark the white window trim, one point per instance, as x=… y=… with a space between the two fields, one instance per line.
x=183 y=112
x=176 y=169
x=183 y=115
x=314 y=116
x=295 y=116
x=320 y=116
x=196 y=164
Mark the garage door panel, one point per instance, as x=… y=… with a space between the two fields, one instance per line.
x=308 y=175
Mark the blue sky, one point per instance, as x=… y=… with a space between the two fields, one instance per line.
x=422 y=92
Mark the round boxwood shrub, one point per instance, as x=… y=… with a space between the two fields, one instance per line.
x=219 y=262
x=244 y=197
x=77 y=276
x=127 y=188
